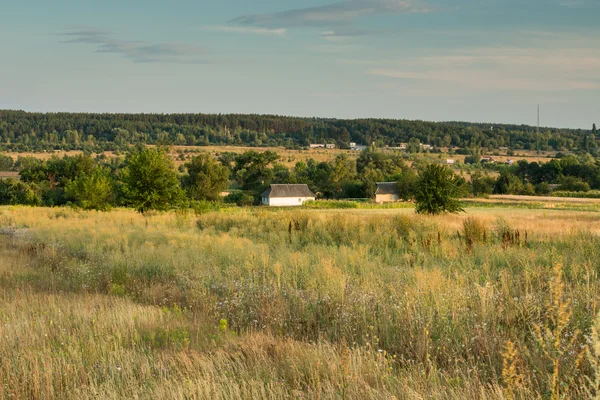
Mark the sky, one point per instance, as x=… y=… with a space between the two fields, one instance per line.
x=436 y=60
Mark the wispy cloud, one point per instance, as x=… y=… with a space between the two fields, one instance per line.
x=341 y=34
x=138 y=51
x=340 y=13
x=246 y=30
x=500 y=69
x=571 y=3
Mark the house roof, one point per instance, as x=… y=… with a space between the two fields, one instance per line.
x=9 y=174
x=387 y=188
x=295 y=190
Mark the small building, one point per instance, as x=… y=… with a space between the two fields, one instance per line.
x=9 y=174
x=330 y=146
x=317 y=146
x=387 y=192
x=450 y=162
x=426 y=147
x=282 y=195
x=487 y=159
x=359 y=147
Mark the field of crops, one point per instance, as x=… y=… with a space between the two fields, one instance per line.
x=499 y=302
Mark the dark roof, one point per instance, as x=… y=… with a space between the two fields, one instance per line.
x=9 y=174
x=288 y=191
x=387 y=188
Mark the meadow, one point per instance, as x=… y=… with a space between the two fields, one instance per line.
x=500 y=302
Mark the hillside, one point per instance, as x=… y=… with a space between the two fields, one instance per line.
x=24 y=131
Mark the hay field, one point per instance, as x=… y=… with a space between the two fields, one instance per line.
x=496 y=303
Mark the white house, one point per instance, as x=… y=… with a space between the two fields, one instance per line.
x=387 y=192
x=286 y=195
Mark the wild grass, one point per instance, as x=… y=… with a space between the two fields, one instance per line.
x=254 y=303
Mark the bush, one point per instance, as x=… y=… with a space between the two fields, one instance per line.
x=573 y=184
x=240 y=198
x=543 y=189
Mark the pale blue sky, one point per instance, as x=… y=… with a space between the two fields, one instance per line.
x=473 y=60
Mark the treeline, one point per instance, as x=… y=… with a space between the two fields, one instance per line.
x=568 y=174
x=23 y=131
x=148 y=179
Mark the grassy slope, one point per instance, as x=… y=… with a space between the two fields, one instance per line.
x=274 y=304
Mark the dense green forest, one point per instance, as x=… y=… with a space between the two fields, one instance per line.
x=23 y=131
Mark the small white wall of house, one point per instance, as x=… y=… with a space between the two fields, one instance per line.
x=287 y=201
x=386 y=198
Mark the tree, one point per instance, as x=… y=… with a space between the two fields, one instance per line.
x=6 y=163
x=94 y=191
x=406 y=184
x=482 y=185
x=594 y=130
x=150 y=181
x=438 y=191
x=205 y=179
x=15 y=192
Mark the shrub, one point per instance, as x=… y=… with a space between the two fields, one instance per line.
x=438 y=191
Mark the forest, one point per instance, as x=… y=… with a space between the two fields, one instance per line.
x=24 y=131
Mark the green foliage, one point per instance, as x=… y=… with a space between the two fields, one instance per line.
x=473 y=159
x=543 y=189
x=95 y=132
x=330 y=204
x=407 y=182
x=507 y=183
x=240 y=198
x=205 y=178
x=6 y=163
x=438 y=191
x=573 y=184
x=592 y=194
x=15 y=192
x=482 y=185
x=93 y=191
x=150 y=181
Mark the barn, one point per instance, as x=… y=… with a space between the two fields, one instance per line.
x=387 y=192
x=279 y=195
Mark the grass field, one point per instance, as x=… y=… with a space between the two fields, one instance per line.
x=288 y=157
x=496 y=303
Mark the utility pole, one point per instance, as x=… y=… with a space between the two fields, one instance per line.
x=538 y=120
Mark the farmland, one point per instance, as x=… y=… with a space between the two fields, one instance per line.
x=499 y=302
x=288 y=157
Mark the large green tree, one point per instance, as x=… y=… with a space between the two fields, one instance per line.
x=93 y=191
x=438 y=190
x=205 y=178
x=150 y=181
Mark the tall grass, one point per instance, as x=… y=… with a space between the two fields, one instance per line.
x=355 y=304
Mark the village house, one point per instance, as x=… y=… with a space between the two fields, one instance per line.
x=487 y=159
x=330 y=146
x=282 y=195
x=359 y=147
x=450 y=161
x=9 y=174
x=317 y=146
x=387 y=192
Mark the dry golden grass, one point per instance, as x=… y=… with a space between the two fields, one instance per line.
x=256 y=303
